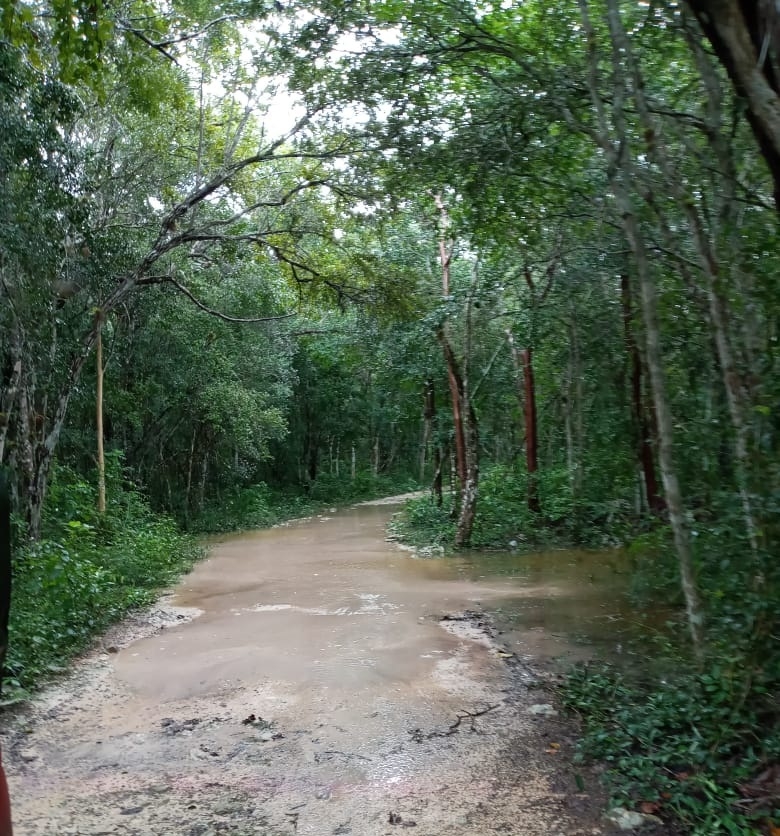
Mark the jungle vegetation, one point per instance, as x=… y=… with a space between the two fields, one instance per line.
x=259 y=255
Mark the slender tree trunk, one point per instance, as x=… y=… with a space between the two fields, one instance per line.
x=25 y=457
x=10 y=393
x=573 y=417
x=429 y=418
x=453 y=375
x=101 y=456
x=517 y=365
x=531 y=439
x=312 y=459
x=455 y=385
x=190 y=464
x=642 y=426
x=438 y=461
x=353 y=464
x=470 y=488
x=204 y=469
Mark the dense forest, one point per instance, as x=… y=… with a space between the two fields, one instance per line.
x=255 y=256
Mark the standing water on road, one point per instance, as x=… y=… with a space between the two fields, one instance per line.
x=309 y=681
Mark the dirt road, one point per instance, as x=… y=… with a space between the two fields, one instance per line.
x=310 y=679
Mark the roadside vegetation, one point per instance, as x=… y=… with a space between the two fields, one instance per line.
x=525 y=255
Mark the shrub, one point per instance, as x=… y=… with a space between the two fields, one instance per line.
x=86 y=573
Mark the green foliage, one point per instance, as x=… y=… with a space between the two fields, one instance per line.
x=694 y=741
x=504 y=520
x=424 y=525
x=261 y=506
x=85 y=574
x=686 y=742
x=502 y=510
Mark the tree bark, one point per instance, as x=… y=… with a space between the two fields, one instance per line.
x=456 y=387
x=705 y=247
x=469 y=479
x=531 y=437
x=429 y=419
x=639 y=412
x=101 y=456
x=9 y=396
x=744 y=41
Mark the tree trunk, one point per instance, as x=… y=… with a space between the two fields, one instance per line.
x=190 y=464
x=705 y=248
x=429 y=418
x=642 y=426
x=468 y=507
x=9 y=396
x=101 y=456
x=745 y=41
x=456 y=386
x=438 y=462
x=573 y=415
x=468 y=504
x=204 y=469
x=453 y=375
x=531 y=439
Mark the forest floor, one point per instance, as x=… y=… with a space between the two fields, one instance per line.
x=308 y=679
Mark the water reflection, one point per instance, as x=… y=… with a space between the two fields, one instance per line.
x=565 y=606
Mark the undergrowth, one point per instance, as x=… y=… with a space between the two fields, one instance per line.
x=701 y=745
x=504 y=520
x=85 y=573
x=695 y=747
x=260 y=506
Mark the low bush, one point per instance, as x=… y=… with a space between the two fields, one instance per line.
x=259 y=506
x=700 y=744
x=694 y=747
x=424 y=525
x=504 y=521
x=85 y=573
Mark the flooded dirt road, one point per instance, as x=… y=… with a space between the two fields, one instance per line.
x=309 y=679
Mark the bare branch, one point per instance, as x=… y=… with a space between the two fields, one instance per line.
x=225 y=317
x=162 y=46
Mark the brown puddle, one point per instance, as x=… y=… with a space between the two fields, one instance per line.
x=326 y=603
x=319 y=604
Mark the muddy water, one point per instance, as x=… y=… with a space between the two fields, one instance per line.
x=565 y=606
x=317 y=690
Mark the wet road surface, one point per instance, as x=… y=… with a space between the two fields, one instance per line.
x=303 y=680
